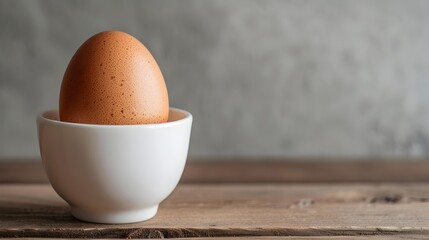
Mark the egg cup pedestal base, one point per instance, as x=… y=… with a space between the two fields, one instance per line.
x=118 y=217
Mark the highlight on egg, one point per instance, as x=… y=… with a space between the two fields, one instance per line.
x=113 y=79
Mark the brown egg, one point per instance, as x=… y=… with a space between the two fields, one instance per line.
x=113 y=79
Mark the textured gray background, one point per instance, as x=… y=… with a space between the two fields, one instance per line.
x=262 y=78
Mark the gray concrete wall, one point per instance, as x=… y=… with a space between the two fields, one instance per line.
x=262 y=78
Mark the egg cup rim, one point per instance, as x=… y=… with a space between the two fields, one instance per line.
x=187 y=117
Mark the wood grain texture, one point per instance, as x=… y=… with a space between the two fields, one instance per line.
x=266 y=171
x=234 y=210
x=362 y=237
x=365 y=237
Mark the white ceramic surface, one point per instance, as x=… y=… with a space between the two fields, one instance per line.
x=114 y=173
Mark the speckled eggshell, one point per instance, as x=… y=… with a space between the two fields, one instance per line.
x=113 y=80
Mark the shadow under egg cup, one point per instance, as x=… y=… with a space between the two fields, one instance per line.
x=114 y=173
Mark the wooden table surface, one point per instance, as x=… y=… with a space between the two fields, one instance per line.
x=270 y=200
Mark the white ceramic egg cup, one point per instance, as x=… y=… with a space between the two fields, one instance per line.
x=114 y=173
